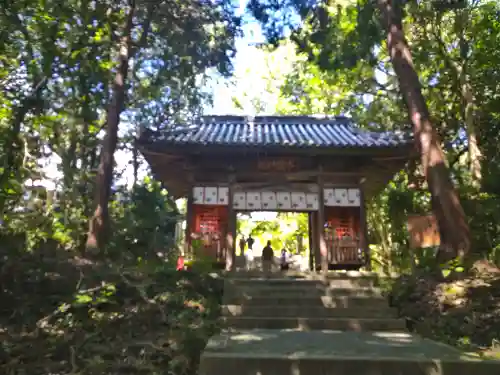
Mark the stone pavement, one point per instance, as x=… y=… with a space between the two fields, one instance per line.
x=304 y=325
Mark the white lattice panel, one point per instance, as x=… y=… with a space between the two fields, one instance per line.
x=253 y=200
x=210 y=195
x=223 y=195
x=284 y=200
x=341 y=198
x=198 y=195
x=353 y=197
x=268 y=200
x=239 y=201
x=329 y=197
x=298 y=201
x=312 y=201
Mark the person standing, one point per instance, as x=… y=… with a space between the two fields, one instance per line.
x=250 y=242
x=243 y=244
x=284 y=260
x=249 y=258
x=267 y=258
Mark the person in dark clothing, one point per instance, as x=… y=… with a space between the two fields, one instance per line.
x=243 y=244
x=267 y=258
x=250 y=242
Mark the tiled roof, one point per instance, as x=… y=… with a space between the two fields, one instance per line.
x=280 y=131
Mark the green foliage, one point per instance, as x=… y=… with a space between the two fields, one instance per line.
x=463 y=313
x=283 y=231
x=342 y=67
x=62 y=314
x=145 y=220
x=57 y=65
x=144 y=224
x=202 y=264
x=123 y=310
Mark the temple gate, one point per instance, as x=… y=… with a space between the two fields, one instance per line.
x=326 y=167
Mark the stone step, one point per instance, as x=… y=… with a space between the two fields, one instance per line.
x=296 y=284
x=274 y=352
x=308 y=300
x=309 y=324
x=302 y=275
x=230 y=291
x=291 y=283
x=307 y=311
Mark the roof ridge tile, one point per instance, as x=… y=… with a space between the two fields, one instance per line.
x=281 y=131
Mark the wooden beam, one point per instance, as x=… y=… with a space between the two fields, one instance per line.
x=243 y=164
x=231 y=229
x=375 y=180
x=173 y=168
x=219 y=166
x=276 y=186
x=189 y=223
x=311 y=232
x=387 y=158
x=259 y=163
x=321 y=226
x=161 y=155
x=315 y=243
x=276 y=179
x=364 y=243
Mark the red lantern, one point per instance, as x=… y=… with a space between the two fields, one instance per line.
x=180 y=263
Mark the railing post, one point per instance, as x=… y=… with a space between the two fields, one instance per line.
x=363 y=238
x=189 y=222
x=321 y=225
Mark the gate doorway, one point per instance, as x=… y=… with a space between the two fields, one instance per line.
x=288 y=231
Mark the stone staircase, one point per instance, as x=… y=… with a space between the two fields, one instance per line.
x=335 y=325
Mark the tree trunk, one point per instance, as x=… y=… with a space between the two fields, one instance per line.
x=135 y=162
x=453 y=227
x=470 y=124
x=99 y=223
x=13 y=142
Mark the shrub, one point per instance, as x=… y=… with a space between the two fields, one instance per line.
x=61 y=314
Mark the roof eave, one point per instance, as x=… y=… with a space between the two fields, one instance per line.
x=188 y=148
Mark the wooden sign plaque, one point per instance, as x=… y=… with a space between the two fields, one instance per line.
x=276 y=165
x=424 y=231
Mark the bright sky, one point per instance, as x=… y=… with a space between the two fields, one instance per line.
x=247 y=57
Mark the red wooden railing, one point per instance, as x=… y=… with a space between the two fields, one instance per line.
x=210 y=225
x=345 y=251
x=342 y=236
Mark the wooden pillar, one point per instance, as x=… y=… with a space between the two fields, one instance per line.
x=321 y=226
x=231 y=229
x=189 y=223
x=363 y=226
x=315 y=242
x=311 y=232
